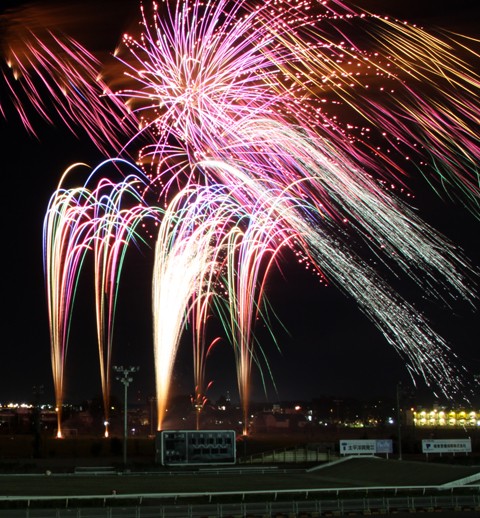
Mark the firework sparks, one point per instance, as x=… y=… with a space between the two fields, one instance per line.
x=184 y=254
x=56 y=74
x=66 y=234
x=118 y=211
x=245 y=110
x=78 y=221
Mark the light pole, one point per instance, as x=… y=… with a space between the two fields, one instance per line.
x=125 y=378
x=399 y=420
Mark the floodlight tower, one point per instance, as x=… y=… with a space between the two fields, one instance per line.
x=125 y=378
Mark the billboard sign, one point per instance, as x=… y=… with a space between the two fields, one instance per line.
x=446 y=445
x=357 y=447
x=384 y=446
x=366 y=446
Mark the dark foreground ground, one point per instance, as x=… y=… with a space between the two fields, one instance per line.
x=370 y=472
x=90 y=472
x=348 y=487
x=354 y=486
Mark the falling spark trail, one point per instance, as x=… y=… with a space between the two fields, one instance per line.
x=79 y=220
x=261 y=128
x=66 y=235
x=117 y=212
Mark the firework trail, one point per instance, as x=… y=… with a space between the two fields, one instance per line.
x=226 y=251
x=425 y=353
x=80 y=220
x=254 y=254
x=60 y=78
x=444 y=125
x=118 y=211
x=196 y=104
x=66 y=234
x=184 y=257
x=201 y=314
x=302 y=112
x=251 y=246
x=334 y=185
x=198 y=71
x=408 y=92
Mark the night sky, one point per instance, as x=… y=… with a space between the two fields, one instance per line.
x=331 y=348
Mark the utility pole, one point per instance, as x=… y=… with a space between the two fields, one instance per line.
x=125 y=378
x=399 y=420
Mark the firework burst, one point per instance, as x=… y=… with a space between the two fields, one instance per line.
x=263 y=127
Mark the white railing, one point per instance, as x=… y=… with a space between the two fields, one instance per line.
x=307 y=502
x=146 y=508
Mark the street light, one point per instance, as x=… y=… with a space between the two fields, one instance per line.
x=399 y=420
x=125 y=378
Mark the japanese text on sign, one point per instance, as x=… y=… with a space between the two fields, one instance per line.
x=446 y=445
x=358 y=447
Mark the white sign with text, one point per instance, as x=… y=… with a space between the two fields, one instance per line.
x=358 y=447
x=446 y=445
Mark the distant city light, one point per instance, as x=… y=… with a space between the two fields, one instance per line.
x=444 y=417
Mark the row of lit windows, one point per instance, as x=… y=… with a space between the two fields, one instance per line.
x=446 y=418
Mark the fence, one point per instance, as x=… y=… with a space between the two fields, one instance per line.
x=274 y=504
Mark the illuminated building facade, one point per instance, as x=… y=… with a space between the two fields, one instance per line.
x=447 y=418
